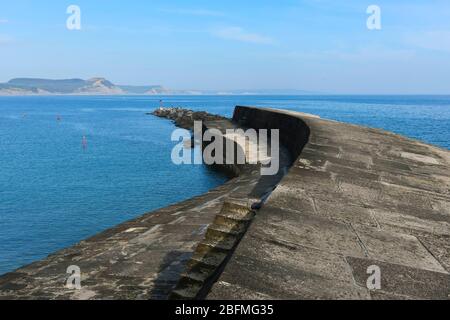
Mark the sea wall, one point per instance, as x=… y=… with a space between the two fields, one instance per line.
x=346 y=198
x=361 y=214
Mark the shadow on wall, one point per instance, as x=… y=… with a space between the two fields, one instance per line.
x=173 y=265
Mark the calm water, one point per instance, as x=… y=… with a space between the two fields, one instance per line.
x=54 y=194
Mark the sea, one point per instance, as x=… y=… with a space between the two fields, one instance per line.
x=72 y=166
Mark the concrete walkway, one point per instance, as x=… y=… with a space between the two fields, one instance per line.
x=355 y=198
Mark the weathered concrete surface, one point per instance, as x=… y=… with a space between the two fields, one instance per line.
x=355 y=197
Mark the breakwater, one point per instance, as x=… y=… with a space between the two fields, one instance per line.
x=185 y=118
x=352 y=198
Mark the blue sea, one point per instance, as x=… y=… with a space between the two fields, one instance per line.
x=57 y=188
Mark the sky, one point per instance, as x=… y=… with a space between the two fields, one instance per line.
x=321 y=46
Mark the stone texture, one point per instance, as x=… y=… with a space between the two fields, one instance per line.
x=355 y=197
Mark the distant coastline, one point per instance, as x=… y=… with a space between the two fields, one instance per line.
x=23 y=87
x=102 y=86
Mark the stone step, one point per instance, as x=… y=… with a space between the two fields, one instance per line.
x=231 y=224
x=224 y=244
x=238 y=209
x=204 y=248
x=196 y=264
x=241 y=216
x=218 y=233
x=198 y=276
x=213 y=257
x=187 y=289
x=227 y=227
x=199 y=261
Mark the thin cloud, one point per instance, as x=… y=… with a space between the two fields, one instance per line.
x=239 y=34
x=195 y=12
x=359 y=54
x=4 y=39
x=4 y=21
x=431 y=40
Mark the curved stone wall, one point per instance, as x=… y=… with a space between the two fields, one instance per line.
x=355 y=200
x=294 y=132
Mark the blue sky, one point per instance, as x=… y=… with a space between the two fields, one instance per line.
x=314 y=45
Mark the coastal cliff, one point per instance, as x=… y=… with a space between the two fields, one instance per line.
x=93 y=86
x=346 y=198
x=29 y=86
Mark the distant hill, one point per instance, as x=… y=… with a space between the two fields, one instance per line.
x=101 y=86
x=67 y=86
x=94 y=86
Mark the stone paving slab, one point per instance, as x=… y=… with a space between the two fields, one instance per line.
x=403 y=281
